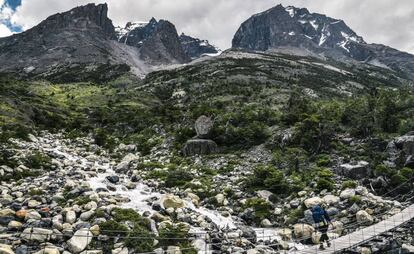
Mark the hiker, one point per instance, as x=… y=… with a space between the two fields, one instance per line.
x=322 y=221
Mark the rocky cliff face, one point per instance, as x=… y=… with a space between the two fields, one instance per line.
x=74 y=45
x=158 y=41
x=196 y=48
x=284 y=27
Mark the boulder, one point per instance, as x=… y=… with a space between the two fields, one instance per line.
x=199 y=147
x=266 y=223
x=14 y=225
x=355 y=171
x=173 y=250
x=171 y=201
x=36 y=234
x=336 y=227
x=6 y=249
x=113 y=179
x=7 y=212
x=203 y=126
x=220 y=199
x=80 y=240
x=303 y=230
x=364 y=217
x=311 y=202
x=70 y=217
x=32 y=215
x=331 y=199
x=347 y=193
x=316 y=237
x=48 y=250
x=406 y=248
x=285 y=234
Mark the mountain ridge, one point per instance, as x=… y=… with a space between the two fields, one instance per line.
x=297 y=27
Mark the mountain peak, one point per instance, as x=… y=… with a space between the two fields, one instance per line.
x=81 y=17
x=297 y=27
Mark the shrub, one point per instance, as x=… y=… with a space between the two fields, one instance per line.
x=382 y=170
x=295 y=215
x=178 y=178
x=122 y=215
x=269 y=178
x=38 y=160
x=113 y=228
x=140 y=239
x=325 y=184
x=355 y=199
x=407 y=173
x=103 y=138
x=323 y=160
x=178 y=230
x=349 y=185
x=262 y=209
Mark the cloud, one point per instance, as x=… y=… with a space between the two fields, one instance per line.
x=380 y=21
x=4 y=31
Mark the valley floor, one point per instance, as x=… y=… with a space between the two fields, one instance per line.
x=89 y=201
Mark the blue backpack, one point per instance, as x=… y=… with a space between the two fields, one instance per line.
x=318 y=214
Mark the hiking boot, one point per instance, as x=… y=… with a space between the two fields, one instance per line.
x=321 y=247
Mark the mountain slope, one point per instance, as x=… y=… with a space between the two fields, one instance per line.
x=281 y=27
x=75 y=42
x=158 y=41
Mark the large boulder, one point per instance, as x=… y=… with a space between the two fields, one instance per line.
x=331 y=199
x=357 y=170
x=364 y=217
x=347 y=193
x=199 y=147
x=36 y=234
x=171 y=201
x=203 y=127
x=303 y=231
x=401 y=151
x=311 y=202
x=6 y=249
x=80 y=240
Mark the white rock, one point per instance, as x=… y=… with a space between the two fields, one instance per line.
x=173 y=250
x=33 y=215
x=86 y=215
x=364 y=217
x=331 y=199
x=303 y=230
x=408 y=248
x=347 y=193
x=36 y=234
x=171 y=201
x=6 y=249
x=264 y=194
x=266 y=223
x=80 y=240
x=311 y=202
x=70 y=217
x=220 y=199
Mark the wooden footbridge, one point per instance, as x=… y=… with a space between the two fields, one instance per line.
x=366 y=234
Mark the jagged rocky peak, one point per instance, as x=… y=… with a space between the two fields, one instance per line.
x=291 y=26
x=297 y=30
x=89 y=16
x=69 y=46
x=196 y=48
x=158 y=41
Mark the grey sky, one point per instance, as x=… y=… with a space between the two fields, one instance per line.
x=380 y=21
